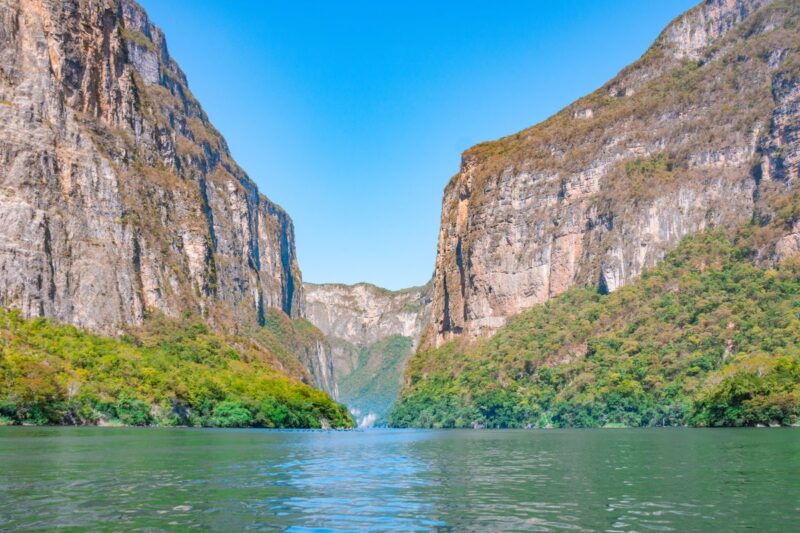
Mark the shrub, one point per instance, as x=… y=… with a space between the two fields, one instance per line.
x=231 y=414
x=132 y=412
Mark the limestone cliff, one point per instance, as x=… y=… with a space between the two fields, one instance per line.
x=371 y=332
x=118 y=198
x=696 y=134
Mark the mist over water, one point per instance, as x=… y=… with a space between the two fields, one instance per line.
x=364 y=420
x=403 y=480
x=367 y=421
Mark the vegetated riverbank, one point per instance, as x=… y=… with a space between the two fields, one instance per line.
x=167 y=373
x=707 y=338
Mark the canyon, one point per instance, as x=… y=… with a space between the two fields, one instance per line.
x=632 y=261
x=371 y=333
x=120 y=203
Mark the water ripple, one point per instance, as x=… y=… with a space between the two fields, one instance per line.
x=581 y=481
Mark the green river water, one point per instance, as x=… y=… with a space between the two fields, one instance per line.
x=110 y=479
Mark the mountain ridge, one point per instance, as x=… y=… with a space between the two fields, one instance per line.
x=371 y=332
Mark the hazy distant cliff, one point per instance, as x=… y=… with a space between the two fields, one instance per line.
x=689 y=137
x=371 y=332
x=363 y=313
x=117 y=196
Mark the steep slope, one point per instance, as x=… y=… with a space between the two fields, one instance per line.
x=708 y=337
x=689 y=137
x=118 y=198
x=371 y=332
x=298 y=340
x=168 y=372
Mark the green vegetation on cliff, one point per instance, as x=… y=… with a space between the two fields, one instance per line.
x=706 y=338
x=375 y=383
x=170 y=372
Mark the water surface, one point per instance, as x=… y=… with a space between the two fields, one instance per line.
x=405 y=480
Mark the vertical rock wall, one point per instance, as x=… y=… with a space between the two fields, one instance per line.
x=693 y=135
x=118 y=198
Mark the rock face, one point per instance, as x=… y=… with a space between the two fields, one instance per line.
x=371 y=332
x=118 y=198
x=363 y=313
x=695 y=134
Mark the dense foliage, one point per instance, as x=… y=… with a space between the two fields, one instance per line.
x=167 y=373
x=291 y=343
x=706 y=338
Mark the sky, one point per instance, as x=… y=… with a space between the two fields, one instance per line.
x=352 y=115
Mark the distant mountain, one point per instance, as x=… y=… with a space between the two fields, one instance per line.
x=371 y=332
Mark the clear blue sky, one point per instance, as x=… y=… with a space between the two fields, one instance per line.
x=353 y=115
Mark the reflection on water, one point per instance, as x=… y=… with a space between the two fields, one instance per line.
x=231 y=480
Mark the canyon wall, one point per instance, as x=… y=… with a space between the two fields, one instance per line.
x=693 y=135
x=118 y=198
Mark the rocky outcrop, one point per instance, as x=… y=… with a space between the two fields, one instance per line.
x=693 y=32
x=371 y=332
x=118 y=198
x=696 y=134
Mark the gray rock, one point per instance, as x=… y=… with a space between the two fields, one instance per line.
x=118 y=198
x=694 y=135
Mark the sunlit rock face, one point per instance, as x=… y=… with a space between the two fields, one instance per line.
x=363 y=313
x=692 y=136
x=117 y=196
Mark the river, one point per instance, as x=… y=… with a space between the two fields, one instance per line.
x=405 y=480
